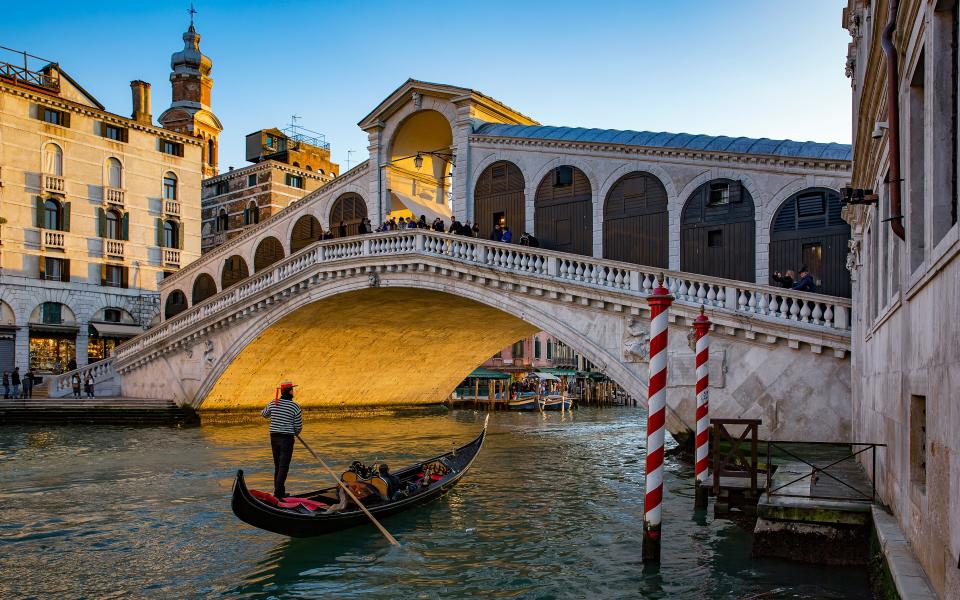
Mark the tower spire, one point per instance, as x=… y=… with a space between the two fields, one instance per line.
x=192 y=12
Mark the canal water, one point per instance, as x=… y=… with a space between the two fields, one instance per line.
x=552 y=508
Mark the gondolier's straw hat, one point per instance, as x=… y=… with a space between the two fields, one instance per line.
x=286 y=385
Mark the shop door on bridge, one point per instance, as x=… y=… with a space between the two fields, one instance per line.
x=717 y=234
x=498 y=199
x=563 y=218
x=636 y=221
x=809 y=231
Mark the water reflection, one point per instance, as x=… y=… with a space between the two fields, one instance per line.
x=552 y=508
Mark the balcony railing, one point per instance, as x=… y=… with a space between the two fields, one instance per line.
x=171 y=208
x=113 y=248
x=53 y=184
x=113 y=196
x=53 y=240
x=171 y=257
x=25 y=75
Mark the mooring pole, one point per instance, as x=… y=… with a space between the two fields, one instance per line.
x=659 y=301
x=701 y=328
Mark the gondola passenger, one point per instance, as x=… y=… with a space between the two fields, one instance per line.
x=286 y=422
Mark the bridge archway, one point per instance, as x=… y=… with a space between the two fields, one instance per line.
x=176 y=304
x=498 y=198
x=419 y=172
x=717 y=231
x=349 y=209
x=809 y=230
x=269 y=251
x=234 y=271
x=203 y=287
x=636 y=221
x=305 y=231
x=563 y=211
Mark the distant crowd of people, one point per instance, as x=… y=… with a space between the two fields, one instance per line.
x=499 y=233
x=788 y=280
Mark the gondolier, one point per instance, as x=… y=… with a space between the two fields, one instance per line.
x=286 y=421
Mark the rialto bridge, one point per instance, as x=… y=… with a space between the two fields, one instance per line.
x=384 y=319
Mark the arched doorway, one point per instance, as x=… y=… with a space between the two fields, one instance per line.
x=420 y=171
x=305 y=232
x=348 y=209
x=563 y=211
x=717 y=233
x=234 y=271
x=498 y=198
x=176 y=304
x=269 y=251
x=809 y=231
x=203 y=288
x=636 y=221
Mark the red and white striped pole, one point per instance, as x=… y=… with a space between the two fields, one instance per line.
x=659 y=301
x=701 y=328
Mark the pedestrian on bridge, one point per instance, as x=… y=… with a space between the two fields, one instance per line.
x=286 y=422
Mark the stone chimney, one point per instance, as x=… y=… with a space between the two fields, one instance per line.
x=141 y=102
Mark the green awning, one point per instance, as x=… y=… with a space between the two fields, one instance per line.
x=559 y=372
x=488 y=374
x=596 y=376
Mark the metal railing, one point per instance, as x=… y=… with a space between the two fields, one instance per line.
x=826 y=466
x=29 y=76
x=730 y=461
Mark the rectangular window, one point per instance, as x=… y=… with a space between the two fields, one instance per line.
x=294 y=181
x=223 y=187
x=169 y=188
x=918 y=440
x=251 y=179
x=719 y=194
x=114 y=276
x=55 y=117
x=113 y=132
x=812 y=257
x=811 y=205
x=562 y=176
x=536 y=348
x=171 y=148
x=549 y=350
x=55 y=269
x=715 y=238
x=517 y=350
x=111 y=315
x=50 y=313
x=913 y=203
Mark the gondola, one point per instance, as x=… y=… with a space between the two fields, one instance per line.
x=302 y=522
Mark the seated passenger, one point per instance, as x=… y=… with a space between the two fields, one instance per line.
x=393 y=482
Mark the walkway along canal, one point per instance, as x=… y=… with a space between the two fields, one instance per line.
x=553 y=507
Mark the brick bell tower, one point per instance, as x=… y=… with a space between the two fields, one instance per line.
x=190 y=113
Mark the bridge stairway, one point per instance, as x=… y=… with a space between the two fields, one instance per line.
x=108 y=411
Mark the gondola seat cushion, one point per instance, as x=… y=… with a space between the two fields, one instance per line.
x=288 y=502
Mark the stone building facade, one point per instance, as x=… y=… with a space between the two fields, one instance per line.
x=286 y=168
x=905 y=260
x=98 y=209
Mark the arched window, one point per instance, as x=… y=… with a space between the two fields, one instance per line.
x=309 y=168
x=113 y=230
x=114 y=173
x=717 y=231
x=176 y=303
x=169 y=186
x=223 y=220
x=498 y=199
x=269 y=251
x=635 y=221
x=563 y=211
x=349 y=209
x=234 y=271
x=211 y=156
x=171 y=234
x=251 y=214
x=53 y=160
x=203 y=288
x=305 y=231
x=51 y=214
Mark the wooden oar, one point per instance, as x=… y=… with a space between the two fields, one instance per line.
x=373 y=519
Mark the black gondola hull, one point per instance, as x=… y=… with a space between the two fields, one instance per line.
x=295 y=524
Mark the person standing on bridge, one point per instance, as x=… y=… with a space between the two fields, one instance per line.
x=286 y=422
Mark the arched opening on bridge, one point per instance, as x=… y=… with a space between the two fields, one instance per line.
x=346 y=214
x=203 y=288
x=498 y=199
x=717 y=233
x=269 y=251
x=420 y=171
x=234 y=271
x=636 y=221
x=809 y=231
x=176 y=304
x=306 y=231
x=563 y=211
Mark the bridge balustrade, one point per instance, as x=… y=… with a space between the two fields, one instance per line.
x=761 y=302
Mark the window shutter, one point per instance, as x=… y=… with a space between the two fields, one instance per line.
x=43 y=267
x=66 y=216
x=65 y=118
x=256 y=215
x=180 y=236
x=124 y=281
x=246 y=216
x=101 y=222
x=103 y=275
x=40 y=212
x=160 y=232
x=736 y=192
x=125 y=227
x=65 y=270
x=125 y=134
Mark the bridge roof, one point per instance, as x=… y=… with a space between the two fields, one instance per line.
x=662 y=139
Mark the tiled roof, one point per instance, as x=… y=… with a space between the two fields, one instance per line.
x=653 y=139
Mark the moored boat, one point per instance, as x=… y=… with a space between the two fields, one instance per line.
x=300 y=514
x=525 y=401
x=557 y=402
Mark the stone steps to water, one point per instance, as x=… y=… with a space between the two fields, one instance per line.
x=114 y=411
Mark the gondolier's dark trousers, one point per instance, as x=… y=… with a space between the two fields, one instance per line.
x=282 y=445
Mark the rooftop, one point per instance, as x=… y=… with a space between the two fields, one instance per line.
x=662 y=139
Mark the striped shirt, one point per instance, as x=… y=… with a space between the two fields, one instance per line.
x=285 y=417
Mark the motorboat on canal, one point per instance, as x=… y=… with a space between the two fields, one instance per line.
x=302 y=515
x=525 y=401
x=557 y=402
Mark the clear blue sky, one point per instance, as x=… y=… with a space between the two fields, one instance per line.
x=760 y=68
